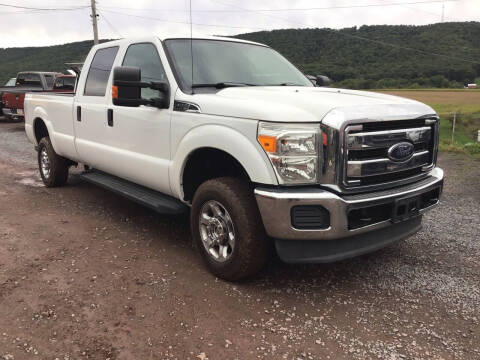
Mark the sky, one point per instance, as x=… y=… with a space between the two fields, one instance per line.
x=126 y=18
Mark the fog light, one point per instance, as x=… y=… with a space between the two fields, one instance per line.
x=310 y=217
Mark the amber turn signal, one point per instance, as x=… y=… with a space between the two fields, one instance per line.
x=114 y=92
x=269 y=143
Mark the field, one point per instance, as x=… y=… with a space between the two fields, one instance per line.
x=466 y=104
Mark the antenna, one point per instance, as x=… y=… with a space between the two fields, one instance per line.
x=191 y=40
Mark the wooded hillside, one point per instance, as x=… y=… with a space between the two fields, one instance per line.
x=448 y=54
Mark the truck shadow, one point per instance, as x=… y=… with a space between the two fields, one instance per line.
x=174 y=232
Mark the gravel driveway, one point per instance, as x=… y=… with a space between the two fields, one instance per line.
x=85 y=274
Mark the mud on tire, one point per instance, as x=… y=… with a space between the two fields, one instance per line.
x=53 y=168
x=235 y=199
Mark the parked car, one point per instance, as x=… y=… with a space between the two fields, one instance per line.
x=9 y=84
x=247 y=145
x=12 y=99
x=65 y=83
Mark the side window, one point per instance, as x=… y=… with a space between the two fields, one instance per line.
x=145 y=56
x=49 y=81
x=69 y=83
x=99 y=71
x=58 y=83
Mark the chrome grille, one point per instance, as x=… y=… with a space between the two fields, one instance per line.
x=366 y=152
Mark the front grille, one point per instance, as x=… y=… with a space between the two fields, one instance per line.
x=368 y=159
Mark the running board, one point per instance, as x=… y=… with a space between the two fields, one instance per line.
x=155 y=200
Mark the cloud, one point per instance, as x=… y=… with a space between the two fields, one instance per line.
x=220 y=17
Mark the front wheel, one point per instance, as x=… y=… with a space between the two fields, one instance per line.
x=228 y=229
x=53 y=167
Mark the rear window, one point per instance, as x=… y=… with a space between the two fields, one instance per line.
x=99 y=71
x=28 y=79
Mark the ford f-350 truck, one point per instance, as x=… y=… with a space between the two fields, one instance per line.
x=232 y=132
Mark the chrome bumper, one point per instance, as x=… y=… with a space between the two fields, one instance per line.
x=275 y=206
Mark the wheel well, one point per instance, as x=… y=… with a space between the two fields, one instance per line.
x=209 y=163
x=40 y=129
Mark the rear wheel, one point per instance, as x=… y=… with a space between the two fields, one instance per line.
x=53 y=167
x=228 y=229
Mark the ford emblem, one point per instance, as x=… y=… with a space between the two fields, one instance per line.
x=401 y=151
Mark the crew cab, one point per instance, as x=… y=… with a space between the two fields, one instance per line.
x=231 y=132
x=12 y=99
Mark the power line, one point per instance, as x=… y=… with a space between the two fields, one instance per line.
x=362 y=38
x=290 y=9
x=110 y=25
x=42 y=9
x=181 y=22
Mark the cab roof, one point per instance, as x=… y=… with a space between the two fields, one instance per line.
x=174 y=36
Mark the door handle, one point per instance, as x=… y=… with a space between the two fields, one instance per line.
x=110 y=117
x=79 y=113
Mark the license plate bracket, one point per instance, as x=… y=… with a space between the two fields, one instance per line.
x=405 y=208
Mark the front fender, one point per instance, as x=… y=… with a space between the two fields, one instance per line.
x=246 y=150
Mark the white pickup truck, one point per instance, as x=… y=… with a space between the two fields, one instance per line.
x=232 y=132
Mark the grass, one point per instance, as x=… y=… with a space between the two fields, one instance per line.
x=465 y=102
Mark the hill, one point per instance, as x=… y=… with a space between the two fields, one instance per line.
x=448 y=54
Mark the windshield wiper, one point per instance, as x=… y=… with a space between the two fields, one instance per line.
x=221 y=85
x=286 y=84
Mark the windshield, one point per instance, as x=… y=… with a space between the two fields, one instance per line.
x=228 y=62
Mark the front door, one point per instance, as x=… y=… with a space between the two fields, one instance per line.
x=139 y=137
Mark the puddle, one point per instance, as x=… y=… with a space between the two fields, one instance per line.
x=30 y=182
x=30 y=178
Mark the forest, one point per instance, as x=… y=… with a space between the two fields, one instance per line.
x=443 y=55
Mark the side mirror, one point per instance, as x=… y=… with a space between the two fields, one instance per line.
x=312 y=78
x=322 y=80
x=127 y=89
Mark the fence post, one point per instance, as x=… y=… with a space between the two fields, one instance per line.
x=454 y=121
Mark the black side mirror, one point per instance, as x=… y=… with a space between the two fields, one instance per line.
x=127 y=89
x=322 y=80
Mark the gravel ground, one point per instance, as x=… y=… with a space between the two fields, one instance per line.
x=85 y=274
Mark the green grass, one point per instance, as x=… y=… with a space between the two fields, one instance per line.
x=466 y=128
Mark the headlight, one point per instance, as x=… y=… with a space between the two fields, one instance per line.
x=292 y=149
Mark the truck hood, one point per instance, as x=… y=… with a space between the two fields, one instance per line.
x=305 y=104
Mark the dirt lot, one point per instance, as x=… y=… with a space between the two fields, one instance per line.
x=85 y=274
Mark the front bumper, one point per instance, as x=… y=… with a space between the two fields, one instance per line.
x=276 y=206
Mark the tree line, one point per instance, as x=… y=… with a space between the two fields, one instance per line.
x=382 y=56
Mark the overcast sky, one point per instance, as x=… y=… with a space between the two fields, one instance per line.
x=123 y=18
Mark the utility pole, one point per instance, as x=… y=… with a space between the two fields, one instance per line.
x=443 y=11
x=94 y=22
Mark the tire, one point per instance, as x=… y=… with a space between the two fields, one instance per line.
x=53 y=168
x=235 y=200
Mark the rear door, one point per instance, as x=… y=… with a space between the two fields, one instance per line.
x=90 y=111
x=139 y=137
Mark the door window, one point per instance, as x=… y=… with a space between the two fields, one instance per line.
x=145 y=56
x=99 y=71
